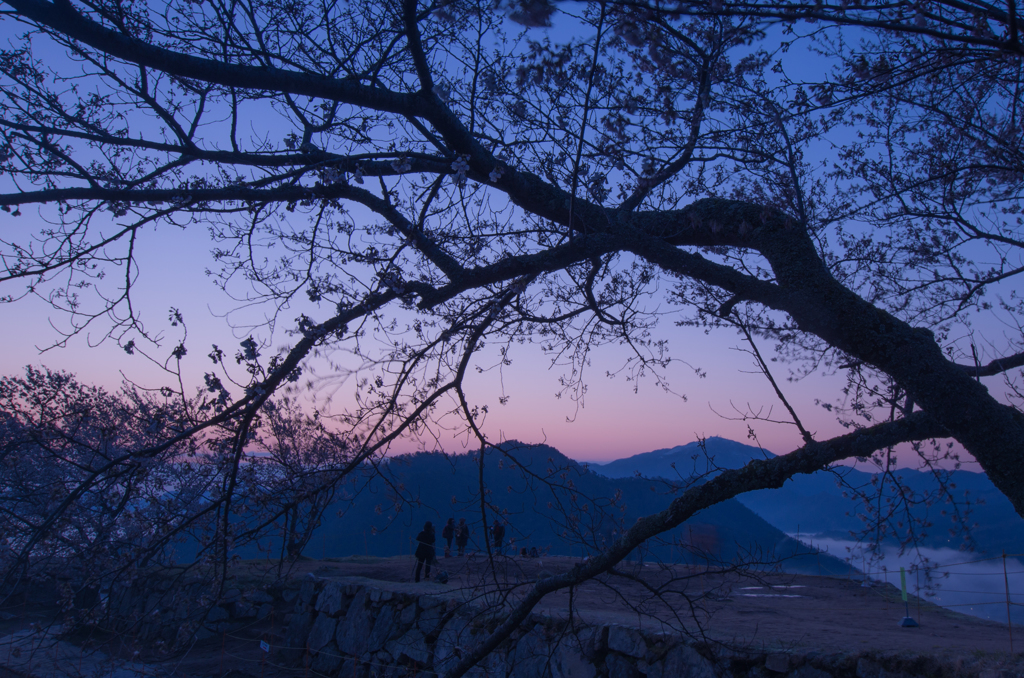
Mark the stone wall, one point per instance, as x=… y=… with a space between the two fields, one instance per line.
x=362 y=628
x=353 y=628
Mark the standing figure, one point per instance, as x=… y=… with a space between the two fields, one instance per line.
x=462 y=536
x=448 y=533
x=497 y=535
x=425 y=549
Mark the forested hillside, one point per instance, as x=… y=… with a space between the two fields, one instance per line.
x=540 y=511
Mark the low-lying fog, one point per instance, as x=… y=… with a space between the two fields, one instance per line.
x=962 y=581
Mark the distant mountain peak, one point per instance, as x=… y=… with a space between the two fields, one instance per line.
x=715 y=454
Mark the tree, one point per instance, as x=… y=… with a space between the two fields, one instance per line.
x=435 y=179
x=74 y=490
x=96 y=485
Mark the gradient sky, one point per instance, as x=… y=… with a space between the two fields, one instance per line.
x=614 y=423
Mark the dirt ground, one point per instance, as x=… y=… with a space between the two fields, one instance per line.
x=798 y=613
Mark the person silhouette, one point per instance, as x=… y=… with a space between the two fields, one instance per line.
x=425 y=549
x=448 y=533
x=462 y=536
x=497 y=535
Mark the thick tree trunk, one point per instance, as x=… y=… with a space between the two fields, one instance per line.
x=991 y=431
x=805 y=289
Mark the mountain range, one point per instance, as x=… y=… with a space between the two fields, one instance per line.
x=563 y=507
x=832 y=503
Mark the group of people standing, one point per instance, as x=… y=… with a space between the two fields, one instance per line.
x=460 y=533
x=426 y=554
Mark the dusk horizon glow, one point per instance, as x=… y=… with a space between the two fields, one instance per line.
x=613 y=422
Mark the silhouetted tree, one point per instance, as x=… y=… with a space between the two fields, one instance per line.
x=434 y=177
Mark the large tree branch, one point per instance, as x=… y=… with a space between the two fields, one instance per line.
x=756 y=475
x=60 y=16
x=896 y=17
x=256 y=191
x=247 y=158
x=525 y=188
x=419 y=55
x=806 y=290
x=997 y=366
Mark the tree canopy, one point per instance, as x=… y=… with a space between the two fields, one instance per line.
x=453 y=176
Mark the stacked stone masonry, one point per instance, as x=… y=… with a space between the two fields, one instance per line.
x=361 y=628
x=353 y=629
